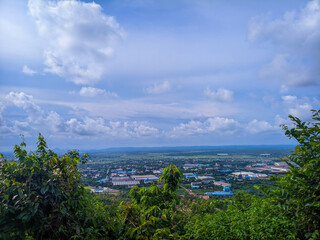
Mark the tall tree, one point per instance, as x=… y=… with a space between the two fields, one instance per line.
x=171 y=177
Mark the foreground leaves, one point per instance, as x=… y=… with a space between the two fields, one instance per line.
x=41 y=197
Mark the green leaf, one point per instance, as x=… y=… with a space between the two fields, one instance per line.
x=44 y=189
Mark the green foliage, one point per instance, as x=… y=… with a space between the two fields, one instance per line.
x=149 y=196
x=41 y=197
x=171 y=178
x=154 y=212
x=298 y=193
x=245 y=218
x=155 y=195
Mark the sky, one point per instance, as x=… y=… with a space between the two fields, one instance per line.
x=142 y=73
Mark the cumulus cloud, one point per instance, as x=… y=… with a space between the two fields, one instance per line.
x=17 y=128
x=298 y=107
x=159 y=88
x=21 y=100
x=221 y=95
x=79 y=38
x=28 y=71
x=256 y=126
x=132 y=129
x=88 y=127
x=190 y=128
x=36 y=120
x=118 y=129
x=85 y=125
x=22 y=127
x=293 y=28
x=98 y=127
x=93 y=92
x=55 y=122
x=296 y=38
x=218 y=124
x=5 y=130
x=225 y=125
x=279 y=121
x=26 y=102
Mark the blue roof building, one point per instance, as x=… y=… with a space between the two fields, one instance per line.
x=219 y=193
x=225 y=171
x=103 y=180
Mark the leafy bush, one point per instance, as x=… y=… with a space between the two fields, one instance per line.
x=154 y=212
x=245 y=218
x=41 y=197
x=298 y=193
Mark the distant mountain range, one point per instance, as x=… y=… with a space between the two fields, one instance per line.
x=227 y=148
x=185 y=148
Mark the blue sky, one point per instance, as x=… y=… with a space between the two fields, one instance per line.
x=121 y=73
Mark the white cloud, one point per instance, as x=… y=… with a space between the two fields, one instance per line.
x=5 y=130
x=190 y=128
x=279 y=121
x=296 y=38
x=301 y=110
x=289 y=99
x=295 y=28
x=26 y=102
x=93 y=92
x=78 y=36
x=22 y=101
x=225 y=125
x=88 y=127
x=17 y=128
x=135 y=129
x=218 y=124
x=22 y=127
x=298 y=107
x=256 y=126
x=221 y=95
x=283 y=69
x=55 y=122
x=37 y=120
x=159 y=88
x=117 y=129
x=28 y=71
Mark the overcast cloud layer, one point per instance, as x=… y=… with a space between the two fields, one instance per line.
x=148 y=73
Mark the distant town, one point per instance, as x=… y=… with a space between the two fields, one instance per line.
x=205 y=174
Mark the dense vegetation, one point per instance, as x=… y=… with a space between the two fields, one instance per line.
x=41 y=197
